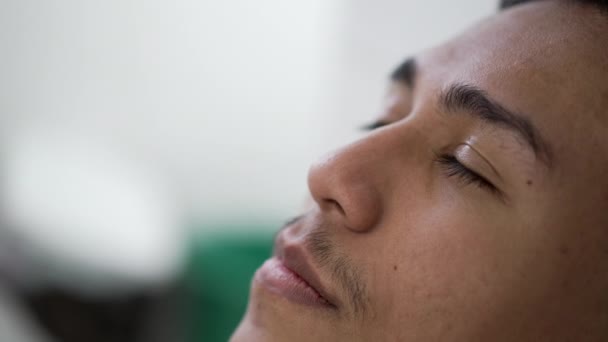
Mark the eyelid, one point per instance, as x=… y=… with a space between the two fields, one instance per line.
x=453 y=167
x=466 y=152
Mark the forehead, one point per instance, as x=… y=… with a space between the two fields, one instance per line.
x=545 y=60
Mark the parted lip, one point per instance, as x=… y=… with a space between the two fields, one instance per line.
x=295 y=257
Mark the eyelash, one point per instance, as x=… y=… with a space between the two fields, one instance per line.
x=454 y=168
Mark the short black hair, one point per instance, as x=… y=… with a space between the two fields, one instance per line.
x=602 y=4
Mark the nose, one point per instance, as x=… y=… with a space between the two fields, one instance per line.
x=353 y=183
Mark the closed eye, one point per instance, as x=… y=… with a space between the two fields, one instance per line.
x=374 y=125
x=454 y=168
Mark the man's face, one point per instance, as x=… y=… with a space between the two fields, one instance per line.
x=478 y=212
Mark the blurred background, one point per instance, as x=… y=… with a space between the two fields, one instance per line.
x=150 y=149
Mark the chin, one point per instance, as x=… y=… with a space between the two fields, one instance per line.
x=246 y=333
x=272 y=318
x=256 y=324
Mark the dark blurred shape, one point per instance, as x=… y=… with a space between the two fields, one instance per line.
x=66 y=316
x=69 y=317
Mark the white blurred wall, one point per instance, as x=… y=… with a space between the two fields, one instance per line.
x=231 y=100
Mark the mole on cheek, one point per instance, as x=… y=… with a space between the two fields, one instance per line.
x=529 y=182
x=394 y=267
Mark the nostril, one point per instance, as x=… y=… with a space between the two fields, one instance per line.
x=335 y=204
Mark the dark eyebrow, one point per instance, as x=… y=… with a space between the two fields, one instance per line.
x=474 y=101
x=405 y=72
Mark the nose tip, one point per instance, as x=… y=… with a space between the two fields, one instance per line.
x=344 y=185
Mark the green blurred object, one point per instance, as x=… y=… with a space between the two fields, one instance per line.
x=217 y=280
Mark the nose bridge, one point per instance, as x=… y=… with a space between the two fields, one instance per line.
x=354 y=182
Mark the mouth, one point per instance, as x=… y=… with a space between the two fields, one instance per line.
x=275 y=276
x=290 y=275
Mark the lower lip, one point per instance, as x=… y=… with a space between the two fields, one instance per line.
x=279 y=279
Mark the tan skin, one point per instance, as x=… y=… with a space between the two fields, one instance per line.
x=446 y=258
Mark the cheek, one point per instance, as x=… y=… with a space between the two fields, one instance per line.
x=440 y=270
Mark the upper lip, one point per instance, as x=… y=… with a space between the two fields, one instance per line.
x=295 y=258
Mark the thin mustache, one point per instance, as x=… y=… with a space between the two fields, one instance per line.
x=340 y=267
